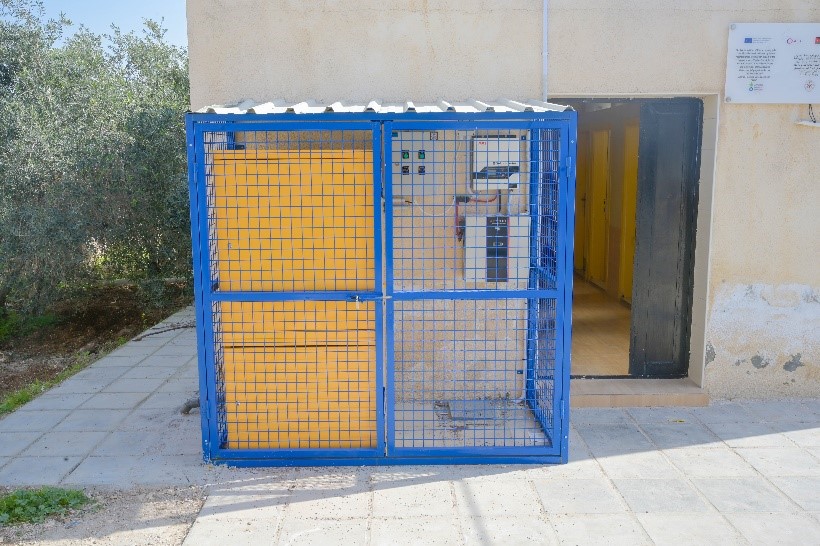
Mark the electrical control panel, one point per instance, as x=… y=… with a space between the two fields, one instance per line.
x=497 y=248
x=496 y=162
x=413 y=161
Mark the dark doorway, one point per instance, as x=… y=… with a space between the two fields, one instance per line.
x=636 y=213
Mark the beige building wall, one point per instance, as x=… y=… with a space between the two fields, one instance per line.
x=757 y=294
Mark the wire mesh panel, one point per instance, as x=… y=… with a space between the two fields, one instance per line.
x=475 y=228
x=460 y=376
x=292 y=219
x=292 y=248
x=315 y=350
x=297 y=374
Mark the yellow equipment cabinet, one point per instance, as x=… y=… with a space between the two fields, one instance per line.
x=296 y=374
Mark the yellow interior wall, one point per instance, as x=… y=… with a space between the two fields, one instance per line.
x=628 y=210
x=615 y=120
x=310 y=230
x=581 y=184
x=295 y=374
x=598 y=207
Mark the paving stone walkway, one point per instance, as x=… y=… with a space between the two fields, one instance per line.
x=741 y=472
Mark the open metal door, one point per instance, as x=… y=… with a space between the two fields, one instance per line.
x=668 y=176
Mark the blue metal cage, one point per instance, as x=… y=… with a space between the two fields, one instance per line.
x=383 y=287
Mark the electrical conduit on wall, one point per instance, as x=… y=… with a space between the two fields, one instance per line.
x=544 y=52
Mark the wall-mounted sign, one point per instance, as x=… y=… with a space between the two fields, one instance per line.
x=776 y=63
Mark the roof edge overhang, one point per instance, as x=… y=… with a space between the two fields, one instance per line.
x=379 y=108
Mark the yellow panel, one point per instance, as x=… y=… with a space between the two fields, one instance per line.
x=296 y=374
x=582 y=181
x=630 y=199
x=598 y=224
x=297 y=323
x=285 y=221
x=300 y=397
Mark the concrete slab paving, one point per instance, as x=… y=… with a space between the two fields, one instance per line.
x=57 y=444
x=416 y=498
x=416 y=531
x=736 y=472
x=743 y=495
x=694 y=529
x=749 y=434
x=309 y=532
x=676 y=434
x=126 y=443
x=56 y=401
x=506 y=530
x=15 y=442
x=706 y=462
x=793 y=411
x=776 y=528
x=599 y=529
x=35 y=471
x=604 y=439
x=781 y=461
x=477 y=499
x=164 y=400
x=803 y=437
x=32 y=421
x=114 y=401
x=723 y=411
x=142 y=385
x=649 y=465
x=102 y=470
x=645 y=416
x=644 y=496
x=579 y=497
x=253 y=531
x=116 y=361
x=802 y=490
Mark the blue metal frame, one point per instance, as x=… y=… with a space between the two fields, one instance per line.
x=532 y=319
x=382 y=126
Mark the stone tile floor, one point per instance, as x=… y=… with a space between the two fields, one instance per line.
x=736 y=472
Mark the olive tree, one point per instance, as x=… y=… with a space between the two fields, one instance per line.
x=92 y=157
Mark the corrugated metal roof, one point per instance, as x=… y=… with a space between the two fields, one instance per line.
x=379 y=107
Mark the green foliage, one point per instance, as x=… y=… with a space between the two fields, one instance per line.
x=35 y=505
x=13 y=324
x=92 y=158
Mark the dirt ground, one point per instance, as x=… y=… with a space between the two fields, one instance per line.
x=85 y=330
x=150 y=517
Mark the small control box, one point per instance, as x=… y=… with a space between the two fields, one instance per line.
x=413 y=162
x=496 y=163
x=496 y=248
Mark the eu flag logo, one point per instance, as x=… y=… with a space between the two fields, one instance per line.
x=747 y=41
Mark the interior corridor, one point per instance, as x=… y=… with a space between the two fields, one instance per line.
x=600 y=332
